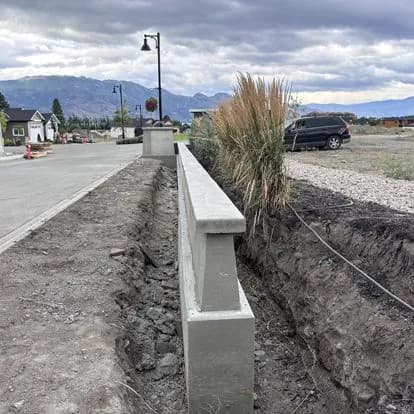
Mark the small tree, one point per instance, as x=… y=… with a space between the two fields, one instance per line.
x=58 y=111
x=3 y=102
x=3 y=121
x=118 y=117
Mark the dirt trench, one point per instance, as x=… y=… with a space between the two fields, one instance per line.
x=326 y=340
x=151 y=350
x=357 y=343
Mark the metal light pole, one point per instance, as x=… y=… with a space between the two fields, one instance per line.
x=145 y=47
x=140 y=113
x=122 y=107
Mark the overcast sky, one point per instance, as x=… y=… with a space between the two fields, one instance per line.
x=331 y=50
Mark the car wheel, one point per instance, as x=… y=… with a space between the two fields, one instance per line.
x=334 y=142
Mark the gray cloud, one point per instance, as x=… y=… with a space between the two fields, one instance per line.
x=328 y=45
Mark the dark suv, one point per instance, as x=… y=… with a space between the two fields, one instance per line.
x=317 y=131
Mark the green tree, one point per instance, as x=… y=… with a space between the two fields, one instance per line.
x=118 y=118
x=3 y=102
x=3 y=121
x=58 y=111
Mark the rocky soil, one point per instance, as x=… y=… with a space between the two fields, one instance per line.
x=150 y=310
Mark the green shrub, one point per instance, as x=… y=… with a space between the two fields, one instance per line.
x=250 y=131
x=10 y=143
x=135 y=140
x=203 y=142
x=396 y=169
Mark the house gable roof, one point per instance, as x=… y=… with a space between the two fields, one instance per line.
x=22 y=115
x=50 y=116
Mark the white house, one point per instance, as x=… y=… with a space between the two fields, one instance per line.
x=51 y=125
x=24 y=124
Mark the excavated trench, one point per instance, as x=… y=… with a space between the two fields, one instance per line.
x=361 y=340
x=151 y=349
x=327 y=341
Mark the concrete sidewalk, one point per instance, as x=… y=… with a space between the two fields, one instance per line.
x=31 y=187
x=6 y=157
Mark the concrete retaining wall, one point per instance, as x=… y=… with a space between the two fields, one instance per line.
x=218 y=324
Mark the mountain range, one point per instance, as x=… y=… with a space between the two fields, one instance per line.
x=94 y=98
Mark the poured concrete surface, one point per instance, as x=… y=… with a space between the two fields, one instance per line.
x=158 y=143
x=29 y=188
x=218 y=324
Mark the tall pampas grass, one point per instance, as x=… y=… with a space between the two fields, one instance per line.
x=250 y=131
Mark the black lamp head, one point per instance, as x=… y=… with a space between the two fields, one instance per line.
x=114 y=90
x=145 y=46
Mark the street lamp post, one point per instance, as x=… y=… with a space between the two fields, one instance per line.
x=145 y=47
x=140 y=113
x=122 y=107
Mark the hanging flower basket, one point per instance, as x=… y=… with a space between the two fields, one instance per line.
x=151 y=104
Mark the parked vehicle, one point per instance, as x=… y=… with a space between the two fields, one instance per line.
x=328 y=132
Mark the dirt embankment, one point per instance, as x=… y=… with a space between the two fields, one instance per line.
x=67 y=319
x=361 y=338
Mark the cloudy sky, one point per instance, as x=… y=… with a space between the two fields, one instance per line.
x=331 y=50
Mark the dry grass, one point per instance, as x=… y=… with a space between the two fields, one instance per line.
x=250 y=130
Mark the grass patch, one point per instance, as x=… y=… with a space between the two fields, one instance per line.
x=396 y=169
x=181 y=137
x=250 y=132
x=203 y=142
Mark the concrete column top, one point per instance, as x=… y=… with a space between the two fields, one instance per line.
x=213 y=211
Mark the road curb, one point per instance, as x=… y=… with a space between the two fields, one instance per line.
x=11 y=157
x=24 y=230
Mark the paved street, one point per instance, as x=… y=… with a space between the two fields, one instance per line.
x=29 y=188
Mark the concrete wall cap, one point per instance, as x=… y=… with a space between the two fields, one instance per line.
x=158 y=129
x=213 y=211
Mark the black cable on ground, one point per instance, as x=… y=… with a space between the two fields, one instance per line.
x=349 y=204
x=329 y=247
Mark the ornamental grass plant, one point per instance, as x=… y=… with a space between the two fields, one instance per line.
x=250 y=131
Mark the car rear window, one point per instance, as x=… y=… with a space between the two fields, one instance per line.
x=322 y=121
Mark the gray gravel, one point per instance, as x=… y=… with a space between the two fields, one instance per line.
x=396 y=194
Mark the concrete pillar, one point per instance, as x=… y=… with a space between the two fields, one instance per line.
x=158 y=143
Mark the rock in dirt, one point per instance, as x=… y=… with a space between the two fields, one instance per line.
x=18 y=405
x=259 y=355
x=115 y=252
x=147 y=362
x=168 y=365
x=165 y=347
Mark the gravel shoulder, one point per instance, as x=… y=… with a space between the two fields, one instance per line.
x=59 y=321
x=395 y=194
x=363 y=154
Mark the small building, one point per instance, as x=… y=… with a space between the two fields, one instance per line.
x=51 y=125
x=199 y=113
x=116 y=132
x=398 y=122
x=24 y=124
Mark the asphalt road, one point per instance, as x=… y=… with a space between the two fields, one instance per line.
x=29 y=188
